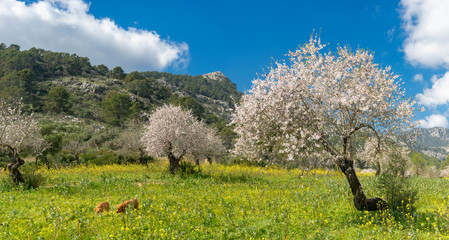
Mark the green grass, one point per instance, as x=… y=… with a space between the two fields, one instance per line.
x=223 y=202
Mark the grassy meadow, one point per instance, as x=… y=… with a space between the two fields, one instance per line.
x=222 y=202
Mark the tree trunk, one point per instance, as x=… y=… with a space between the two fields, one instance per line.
x=197 y=161
x=361 y=203
x=378 y=169
x=141 y=160
x=174 y=162
x=13 y=167
x=45 y=160
x=209 y=160
x=77 y=158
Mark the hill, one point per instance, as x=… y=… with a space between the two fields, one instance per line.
x=433 y=142
x=67 y=89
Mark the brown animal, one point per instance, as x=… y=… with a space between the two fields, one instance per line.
x=102 y=206
x=123 y=206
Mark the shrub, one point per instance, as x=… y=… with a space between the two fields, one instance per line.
x=62 y=158
x=32 y=179
x=106 y=158
x=239 y=160
x=398 y=192
x=395 y=187
x=187 y=168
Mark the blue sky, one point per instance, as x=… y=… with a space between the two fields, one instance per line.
x=241 y=38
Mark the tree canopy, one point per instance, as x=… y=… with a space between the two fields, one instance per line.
x=116 y=107
x=177 y=133
x=312 y=108
x=19 y=133
x=58 y=100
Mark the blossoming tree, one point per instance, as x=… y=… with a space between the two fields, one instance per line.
x=177 y=133
x=312 y=108
x=211 y=145
x=19 y=132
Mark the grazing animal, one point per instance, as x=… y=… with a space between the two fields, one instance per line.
x=123 y=206
x=102 y=206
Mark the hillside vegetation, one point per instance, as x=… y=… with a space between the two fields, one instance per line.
x=76 y=101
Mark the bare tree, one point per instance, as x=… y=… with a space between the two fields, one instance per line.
x=128 y=141
x=75 y=144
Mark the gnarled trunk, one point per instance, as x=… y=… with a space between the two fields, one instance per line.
x=174 y=162
x=141 y=160
x=361 y=203
x=13 y=167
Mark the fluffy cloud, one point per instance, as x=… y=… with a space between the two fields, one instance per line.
x=438 y=94
x=418 y=78
x=427 y=25
x=67 y=26
x=434 y=120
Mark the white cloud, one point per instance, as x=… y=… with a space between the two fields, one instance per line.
x=434 y=120
x=426 y=23
x=391 y=33
x=67 y=26
x=438 y=94
x=418 y=78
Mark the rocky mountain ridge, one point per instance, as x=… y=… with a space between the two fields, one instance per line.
x=433 y=142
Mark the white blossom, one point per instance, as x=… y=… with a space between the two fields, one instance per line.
x=172 y=130
x=315 y=104
x=19 y=131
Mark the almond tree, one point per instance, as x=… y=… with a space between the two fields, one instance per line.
x=129 y=140
x=176 y=134
x=19 y=132
x=314 y=106
x=211 y=145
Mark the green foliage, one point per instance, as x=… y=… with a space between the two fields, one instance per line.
x=422 y=162
x=187 y=168
x=58 y=100
x=397 y=189
x=107 y=157
x=62 y=159
x=141 y=87
x=53 y=137
x=32 y=179
x=189 y=103
x=76 y=66
x=18 y=82
x=102 y=69
x=398 y=192
x=41 y=63
x=132 y=76
x=21 y=72
x=12 y=93
x=117 y=73
x=220 y=90
x=115 y=107
x=445 y=163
